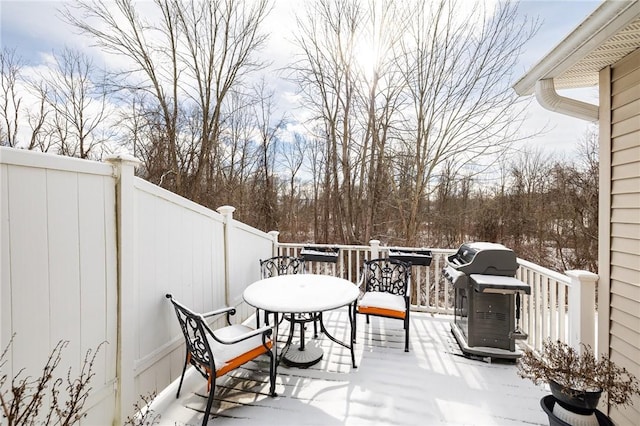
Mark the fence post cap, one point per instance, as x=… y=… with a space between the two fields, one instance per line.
x=583 y=276
x=226 y=209
x=123 y=157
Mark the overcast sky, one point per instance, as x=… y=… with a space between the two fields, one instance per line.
x=33 y=28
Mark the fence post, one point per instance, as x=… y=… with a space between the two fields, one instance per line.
x=274 y=235
x=375 y=248
x=227 y=215
x=124 y=167
x=582 y=308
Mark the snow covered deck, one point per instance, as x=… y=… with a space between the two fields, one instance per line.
x=432 y=384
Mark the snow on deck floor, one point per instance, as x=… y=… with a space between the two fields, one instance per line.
x=431 y=384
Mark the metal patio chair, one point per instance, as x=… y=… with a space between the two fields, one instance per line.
x=385 y=284
x=215 y=353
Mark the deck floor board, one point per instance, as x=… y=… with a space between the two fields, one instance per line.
x=432 y=384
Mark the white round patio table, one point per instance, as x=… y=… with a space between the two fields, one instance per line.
x=300 y=294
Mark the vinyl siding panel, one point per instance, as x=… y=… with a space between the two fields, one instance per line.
x=626 y=185
x=626 y=201
x=627 y=245
x=624 y=252
x=628 y=126
x=621 y=215
x=625 y=112
x=622 y=84
x=624 y=229
x=624 y=98
x=631 y=155
x=624 y=142
x=627 y=320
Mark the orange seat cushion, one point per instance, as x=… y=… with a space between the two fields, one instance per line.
x=372 y=310
x=245 y=357
x=381 y=303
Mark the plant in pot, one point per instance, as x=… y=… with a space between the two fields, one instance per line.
x=577 y=379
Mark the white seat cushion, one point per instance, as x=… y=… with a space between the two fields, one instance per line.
x=377 y=299
x=225 y=353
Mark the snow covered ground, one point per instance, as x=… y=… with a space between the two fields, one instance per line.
x=432 y=384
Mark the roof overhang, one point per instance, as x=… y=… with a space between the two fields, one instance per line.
x=610 y=33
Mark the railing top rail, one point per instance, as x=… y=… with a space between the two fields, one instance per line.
x=545 y=271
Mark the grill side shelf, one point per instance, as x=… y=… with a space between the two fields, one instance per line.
x=498 y=284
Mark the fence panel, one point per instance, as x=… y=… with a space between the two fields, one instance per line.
x=247 y=246
x=179 y=249
x=59 y=267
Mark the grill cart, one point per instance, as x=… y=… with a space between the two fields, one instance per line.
x=487 y=300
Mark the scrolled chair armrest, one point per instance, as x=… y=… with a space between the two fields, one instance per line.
x=226 y=310
x=266 y=330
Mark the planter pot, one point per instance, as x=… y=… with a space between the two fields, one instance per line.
x=577 y=401
x=559 y=416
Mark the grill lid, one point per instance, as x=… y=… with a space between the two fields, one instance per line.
x=484 y=258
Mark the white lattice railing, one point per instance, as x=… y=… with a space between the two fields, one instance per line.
x=560 y=306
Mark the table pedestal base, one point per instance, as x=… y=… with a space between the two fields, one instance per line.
x=303 y=358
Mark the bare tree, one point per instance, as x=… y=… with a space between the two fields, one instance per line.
x=437 y=89
x=457 y=61
x=10 y=100
x=268 y=139
x=187 y=60
x=41 y=134
x=77 y=101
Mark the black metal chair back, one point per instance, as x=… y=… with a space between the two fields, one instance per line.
x=387 y=275
x=195 y=331
x=281 y=265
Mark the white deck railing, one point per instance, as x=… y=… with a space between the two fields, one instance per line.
x=544 y=313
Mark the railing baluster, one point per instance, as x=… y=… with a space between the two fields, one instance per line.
x=553 y=290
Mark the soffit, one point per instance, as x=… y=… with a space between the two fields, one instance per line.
x=584 y=73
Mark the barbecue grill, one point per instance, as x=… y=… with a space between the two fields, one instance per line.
x=487 y=300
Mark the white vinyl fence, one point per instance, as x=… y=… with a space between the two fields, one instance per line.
x=88 y=253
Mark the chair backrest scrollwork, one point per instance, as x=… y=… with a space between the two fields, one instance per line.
x=281 y=265
x=195 y=334
x=387 y=275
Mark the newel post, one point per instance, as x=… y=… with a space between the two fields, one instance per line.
x=582 y=308
x=227 y=216
x=124 y=166
x=375 y=248
x=274 y=236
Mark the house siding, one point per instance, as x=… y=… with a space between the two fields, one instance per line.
x=624 y=216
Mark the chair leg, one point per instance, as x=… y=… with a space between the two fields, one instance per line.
x=355 y=324
x=272 y=373
x=315 y=323
x=207 y=411
x=186 y=361
x=406 y=333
